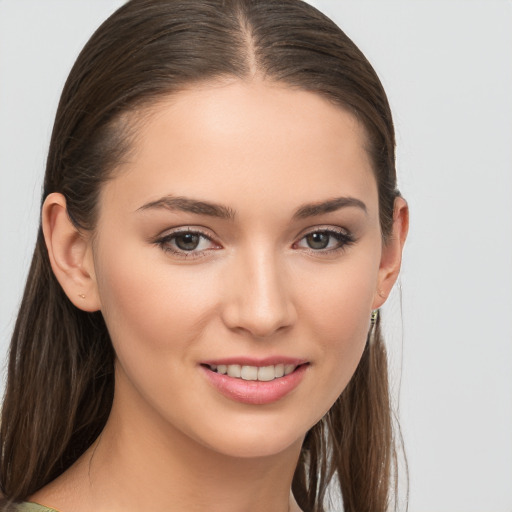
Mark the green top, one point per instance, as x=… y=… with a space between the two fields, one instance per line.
x=32 y=507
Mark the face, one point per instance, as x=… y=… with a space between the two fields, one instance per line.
x=242 y=236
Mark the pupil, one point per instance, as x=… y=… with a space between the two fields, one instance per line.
x=187 y=242
x=318 y=240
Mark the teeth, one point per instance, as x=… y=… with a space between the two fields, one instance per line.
x=266 y=373
x=261 y=373
x=235 y=370
x=288 y=368
x=249 y=372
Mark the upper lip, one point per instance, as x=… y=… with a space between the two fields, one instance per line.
x=252 y=361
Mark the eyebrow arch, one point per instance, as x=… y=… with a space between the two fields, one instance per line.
x=189 y=205
x=186 y=204
x=332 y=205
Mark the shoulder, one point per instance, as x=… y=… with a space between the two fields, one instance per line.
x=24 y=507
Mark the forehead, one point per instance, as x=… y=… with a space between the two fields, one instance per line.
x=243 y=142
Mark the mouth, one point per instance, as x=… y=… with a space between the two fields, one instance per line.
x=255 y=384
x=253 y=373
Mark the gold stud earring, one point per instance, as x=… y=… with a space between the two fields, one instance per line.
x=81 y=295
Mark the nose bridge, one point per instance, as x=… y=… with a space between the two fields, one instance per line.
x=260 y=300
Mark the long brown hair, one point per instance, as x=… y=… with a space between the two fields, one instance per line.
x=60 y=376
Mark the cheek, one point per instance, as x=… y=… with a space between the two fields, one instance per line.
x=150 y=308
x=338 y=308
x=339 y=297
x=156 y=316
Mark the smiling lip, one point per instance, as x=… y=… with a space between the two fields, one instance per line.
x=252 y=361
x=255 y=392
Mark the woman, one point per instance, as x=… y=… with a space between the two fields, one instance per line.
x=220 y=224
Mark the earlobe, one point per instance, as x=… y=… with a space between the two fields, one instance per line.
x=391 y=258
x=70 y=254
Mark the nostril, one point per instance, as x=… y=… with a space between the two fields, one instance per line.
x=258 y=322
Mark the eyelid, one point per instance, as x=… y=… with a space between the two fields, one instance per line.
x=324 y=228
x=186 y=229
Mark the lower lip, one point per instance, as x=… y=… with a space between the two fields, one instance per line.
x=255 y=392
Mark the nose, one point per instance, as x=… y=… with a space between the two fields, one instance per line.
x=258 y=297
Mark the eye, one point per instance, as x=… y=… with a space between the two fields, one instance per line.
x=325 y=240
x=186 y=243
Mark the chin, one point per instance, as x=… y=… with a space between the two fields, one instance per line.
x=250 y=445
x=255 y=435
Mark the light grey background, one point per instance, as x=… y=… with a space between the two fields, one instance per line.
x=447 y=68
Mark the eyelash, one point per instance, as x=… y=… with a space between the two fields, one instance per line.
x=343 y=238
x=165 y=241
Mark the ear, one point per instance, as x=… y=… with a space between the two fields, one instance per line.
x=70 y=254
x=391 y=258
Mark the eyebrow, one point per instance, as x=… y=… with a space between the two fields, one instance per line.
x=198 y=207
x=186 y=204
x=331 y=205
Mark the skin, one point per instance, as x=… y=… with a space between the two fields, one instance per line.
x=253 y=288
